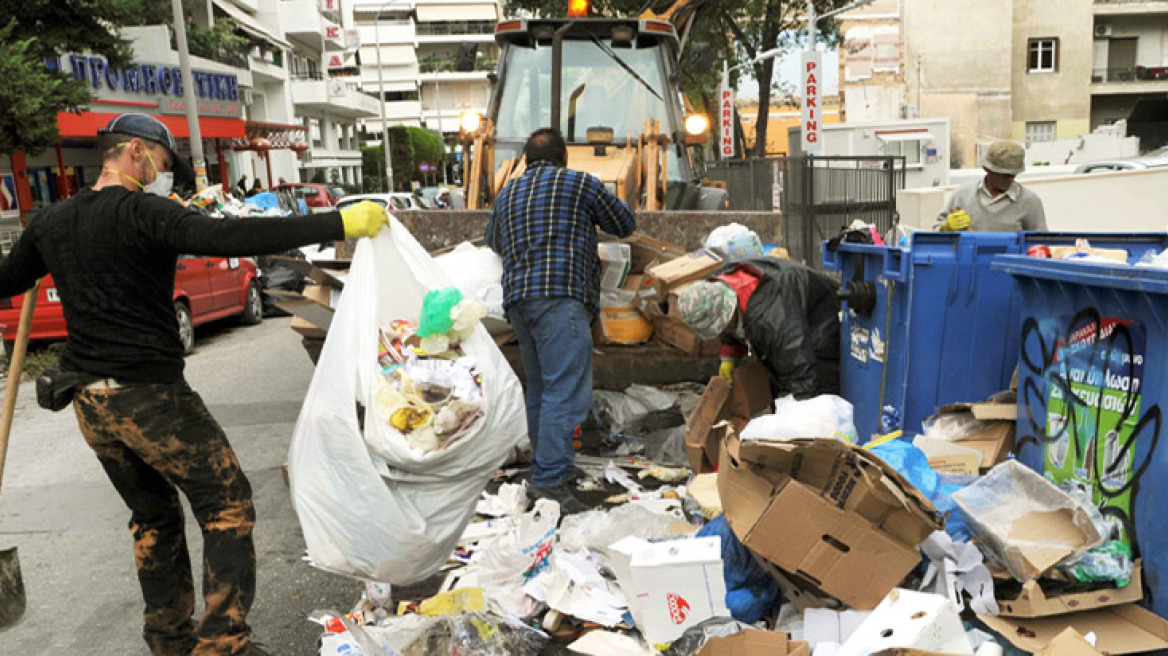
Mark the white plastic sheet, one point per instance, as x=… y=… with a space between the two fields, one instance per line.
x=369 y=506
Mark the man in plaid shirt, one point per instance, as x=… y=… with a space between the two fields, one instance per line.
x=543 y=225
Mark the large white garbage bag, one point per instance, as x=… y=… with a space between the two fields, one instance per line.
x=368 y=506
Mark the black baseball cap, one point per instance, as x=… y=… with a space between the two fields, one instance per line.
x=148 y=127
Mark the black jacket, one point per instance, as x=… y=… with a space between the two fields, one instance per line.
x=792 y=326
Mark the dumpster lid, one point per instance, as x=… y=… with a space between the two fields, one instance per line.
x=1112 y=276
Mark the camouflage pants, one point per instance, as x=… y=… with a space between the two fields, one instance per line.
x=152 y=441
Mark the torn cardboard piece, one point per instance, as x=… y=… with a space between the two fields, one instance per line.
x=688 y=268
x=646 y=251
x=749 y=395
x=829 y=514
x=1023 y=521
x=1126 y=629
x=1032 y=601
x=754 y=643
x=672 y=331
x=1069 y=643
x=910 y=619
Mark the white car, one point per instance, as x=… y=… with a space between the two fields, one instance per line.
x=394 y=202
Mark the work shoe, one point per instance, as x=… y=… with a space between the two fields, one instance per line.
x=561 y=494
x=254 y=649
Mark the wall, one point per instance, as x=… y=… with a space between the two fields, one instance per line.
x=872 y=91
x=860 y=139
x=780 y=120
x=1084 y=148
x=1063 y=95
x=1124 y=201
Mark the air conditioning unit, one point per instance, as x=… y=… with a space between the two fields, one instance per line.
x=246 y=96
x=1102 y=30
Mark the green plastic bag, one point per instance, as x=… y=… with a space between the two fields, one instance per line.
x=436 y=307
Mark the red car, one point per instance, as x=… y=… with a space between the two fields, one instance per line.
x=205 y=289
x=318 y=197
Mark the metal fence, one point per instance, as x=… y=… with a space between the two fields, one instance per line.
x=817 y=196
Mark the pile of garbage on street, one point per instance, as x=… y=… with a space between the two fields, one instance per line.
x=723 y=521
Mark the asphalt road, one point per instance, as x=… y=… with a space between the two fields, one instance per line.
x=70 y=526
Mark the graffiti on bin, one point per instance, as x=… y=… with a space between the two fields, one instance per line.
x=1087 y=371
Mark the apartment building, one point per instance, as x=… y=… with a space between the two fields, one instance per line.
x=410 y=51
x=1031 y=70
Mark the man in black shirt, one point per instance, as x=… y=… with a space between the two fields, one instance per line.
x=112 y=252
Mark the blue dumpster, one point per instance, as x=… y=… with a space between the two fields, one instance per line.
x=931 y=323
x=1092 y=373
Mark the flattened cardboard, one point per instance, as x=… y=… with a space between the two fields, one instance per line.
x=701 y=444
x=829 y=515
x=1001 y=406
x=754 y=643
x=645 y=250
x=1069 y=643
x=1126 y=629
x=751 y=392
x=687 y=268
x=949 y=457
x=1033 y=602
x=313 y=313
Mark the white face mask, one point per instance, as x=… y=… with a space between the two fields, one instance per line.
x=161 y=186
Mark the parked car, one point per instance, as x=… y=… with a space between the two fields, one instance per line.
x=205 y=289
x=1154 y=159
x=396 y=201
x=318 y=197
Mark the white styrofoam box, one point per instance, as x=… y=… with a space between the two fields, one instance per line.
x=826 y=626
x=676 y=585
x=910 y=619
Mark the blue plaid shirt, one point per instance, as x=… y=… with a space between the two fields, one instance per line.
x=543 y=227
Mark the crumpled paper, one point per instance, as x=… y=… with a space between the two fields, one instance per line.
x=957 y=567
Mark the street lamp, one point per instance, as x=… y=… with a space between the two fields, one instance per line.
x=381 y=94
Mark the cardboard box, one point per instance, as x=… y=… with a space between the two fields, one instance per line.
x=634 y=282
x=828 y=513
x=645 y=251
x=702 y=441
x=621 y=326
x=614 y=264
x=1069 y=643
x=993 y=439
x=1028 y=523
x=687 y=268
x=910 y=619
x=750 y=395
x=676 y=585
x=1126 y=629
x=833 y=626
x=1032 y=601
x=754 y=643
x=674 y=332
x=949 y=457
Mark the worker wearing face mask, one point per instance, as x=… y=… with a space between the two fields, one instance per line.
x=112 y=251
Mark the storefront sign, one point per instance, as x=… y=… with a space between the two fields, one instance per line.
x=726 y=119
x=155 y=84
x=811 y=75
x=335 y=61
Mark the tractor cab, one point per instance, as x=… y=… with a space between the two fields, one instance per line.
x=611 y=87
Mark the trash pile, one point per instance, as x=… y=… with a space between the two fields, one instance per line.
x=218 y=202
x=778 y=533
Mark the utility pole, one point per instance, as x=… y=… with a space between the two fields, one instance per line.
x=381 y=97
x=190 y=96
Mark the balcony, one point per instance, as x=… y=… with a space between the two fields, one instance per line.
x=301 y=17
x=1129 y=7
x=439 y=64
x=456 y=31
x=333 y=96
x=1136 y=79
x=402 y=109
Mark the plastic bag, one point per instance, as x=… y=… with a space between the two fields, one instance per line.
x=476 y=634
x=478 y=272
x=912 y=463
x=734 y=242
x=437 y=307
x=597 y=529
x=696 y=637
x=1110 y=562
x=1154 y=260
x=502 y=565
x=368 y=505
x=826 y=415
x=751 y=593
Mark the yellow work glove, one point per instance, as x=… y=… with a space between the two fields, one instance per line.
x=365 y=219
x=957 y=221
x=726 y=369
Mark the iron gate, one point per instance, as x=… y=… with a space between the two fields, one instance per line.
x=817 y=196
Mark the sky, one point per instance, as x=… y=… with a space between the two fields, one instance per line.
x=788 y=70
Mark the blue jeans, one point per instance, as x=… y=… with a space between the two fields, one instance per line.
x=555 y=340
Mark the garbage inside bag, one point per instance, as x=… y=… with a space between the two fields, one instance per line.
x=477 y=634
x=826 y=415
x=1110 y=562
x=1023 y=522
x=478 y=273
x=751 y=593
x=734 y=242
x=436 y=309
x=370 y=504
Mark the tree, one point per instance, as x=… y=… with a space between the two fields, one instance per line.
x=736 y=30
x=409 y=147
x=33 y=32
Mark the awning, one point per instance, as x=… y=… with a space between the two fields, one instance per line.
x=923 y=135
x=459 y=12
x=282 y=135
x=390 y=56
x=249 y=24
x=87 y=124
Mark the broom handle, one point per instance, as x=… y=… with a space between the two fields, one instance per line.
x=15 y=366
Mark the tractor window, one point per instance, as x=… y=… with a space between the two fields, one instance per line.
x=605 y=93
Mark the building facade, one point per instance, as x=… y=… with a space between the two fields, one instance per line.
x=410 y=51
x=1030 y=70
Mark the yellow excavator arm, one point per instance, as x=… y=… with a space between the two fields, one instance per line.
x=681 y=13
